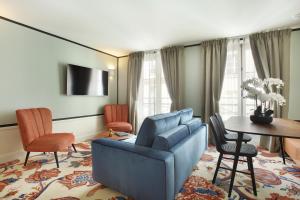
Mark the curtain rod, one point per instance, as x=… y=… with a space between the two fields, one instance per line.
x=234 y=37
x=198 y=44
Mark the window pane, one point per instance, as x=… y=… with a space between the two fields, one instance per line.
x=249 y=72
x=239 y=67
x=230 y=97
x=153 y=94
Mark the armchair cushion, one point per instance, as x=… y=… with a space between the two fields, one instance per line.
x=155 y=125
x=51 y=143
x=120 y=126
x=167 y=140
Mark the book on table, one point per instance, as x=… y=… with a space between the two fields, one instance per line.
x=121 y=134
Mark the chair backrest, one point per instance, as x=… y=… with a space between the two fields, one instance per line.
x=116 y=113
x=34 y=123
x=217 y=132
x=221 y=123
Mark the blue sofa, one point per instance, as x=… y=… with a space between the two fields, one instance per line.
x=156 y=164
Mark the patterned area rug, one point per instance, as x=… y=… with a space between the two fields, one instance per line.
x=40 y=179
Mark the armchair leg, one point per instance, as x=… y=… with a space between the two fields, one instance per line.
x=55 y=155
x=26 y=159
x=74 y=148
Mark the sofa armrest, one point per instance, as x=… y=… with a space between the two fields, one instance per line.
x=135 y=171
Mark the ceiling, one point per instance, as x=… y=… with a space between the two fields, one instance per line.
x=122 y=26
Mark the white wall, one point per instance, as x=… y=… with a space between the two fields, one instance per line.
x=33 y=74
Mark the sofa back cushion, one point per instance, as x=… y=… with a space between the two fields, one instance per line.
x=155 y=125
x=167 y=140
x=193 y=124
x=186 y=115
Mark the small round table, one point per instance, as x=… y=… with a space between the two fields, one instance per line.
x=105 y=134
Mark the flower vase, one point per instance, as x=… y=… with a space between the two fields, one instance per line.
x=260 y=117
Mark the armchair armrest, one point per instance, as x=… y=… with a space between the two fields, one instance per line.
x=136 y=171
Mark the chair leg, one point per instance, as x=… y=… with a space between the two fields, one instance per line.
x=74 y=148
x=26 y=159
x=236 y=159
x=217 y=168
x=250 y=166
x=55 y=155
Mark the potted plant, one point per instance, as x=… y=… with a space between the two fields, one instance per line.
x=262 y=91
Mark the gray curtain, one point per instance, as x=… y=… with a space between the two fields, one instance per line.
x=271 y=54
x=213 y=58
x=134 y=71
x=172 y=58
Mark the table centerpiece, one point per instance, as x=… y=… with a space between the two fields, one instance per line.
x=262 y=91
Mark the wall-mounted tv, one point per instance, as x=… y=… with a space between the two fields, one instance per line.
x=86 y=81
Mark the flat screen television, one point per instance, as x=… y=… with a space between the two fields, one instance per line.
x=86 y=81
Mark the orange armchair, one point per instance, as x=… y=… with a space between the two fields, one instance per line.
x=116 y=117
x=35 y=127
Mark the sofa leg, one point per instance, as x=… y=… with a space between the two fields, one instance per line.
x=26 y=159
x=55 y=155
x=74 y=148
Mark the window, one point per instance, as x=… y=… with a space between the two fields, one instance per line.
x=239 y=67
x=153 y=93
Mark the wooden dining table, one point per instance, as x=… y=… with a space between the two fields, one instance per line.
x=281 y=128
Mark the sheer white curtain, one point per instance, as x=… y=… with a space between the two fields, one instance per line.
x=239 y=67
x=153 y=93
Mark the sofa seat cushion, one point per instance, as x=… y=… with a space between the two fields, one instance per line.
x=167 y=140
x=120 y=126
x=186 y=115
x=292 y=148
x=155 y=125
x=193 y=124
x=52 y=143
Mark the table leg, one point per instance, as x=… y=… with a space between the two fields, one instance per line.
x=282 y=149
x=236 y=159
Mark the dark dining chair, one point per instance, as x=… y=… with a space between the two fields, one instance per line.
x=226 y=148
x=230 y=136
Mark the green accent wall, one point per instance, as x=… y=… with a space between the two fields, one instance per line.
x=33 y=74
